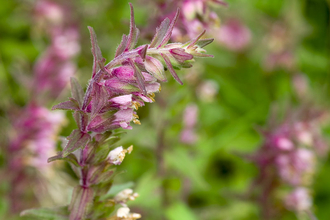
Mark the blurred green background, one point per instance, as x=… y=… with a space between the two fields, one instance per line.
x=203 y=180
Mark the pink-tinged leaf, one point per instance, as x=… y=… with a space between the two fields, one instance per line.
x=122 y=46
x=81 y=119
x=58 y=213
x=76 y=91
x=155 y=68
x=68 y=105
x=119 y=87
x=81 y=202
x=88 y=96
x=74 y=101
x=76 y=116
x=111 y=120
x=77 y=139
x=220 y=2
x=194 y=41
x=143 y=52
x=97 y=54
x=133 y=32
x=169 y=30
x=170 y=68
x=100 y=98
x=57 y=157
x=160 y=33
x=181 y=55
x=204 y=42
x=100 y=175
x=138 y=75
x=101 y=122
x=139 y=62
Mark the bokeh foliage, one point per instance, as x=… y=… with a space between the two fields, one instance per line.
x=208 y=179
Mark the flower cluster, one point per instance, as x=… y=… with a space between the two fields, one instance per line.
x=234 y=35
x=114 y=93
x=280 y=45
x=55 y=66
x=288 y=158
x=196 y=16
x=35 y=131
x=32 y=141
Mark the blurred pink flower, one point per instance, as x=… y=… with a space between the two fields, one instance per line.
x=279 y=43
x=207 y=90
x=196 y=16
x=288 y=158
x=55 y=66
x=299 y=200
x=188 y=134
x=234 y=35
x=34 y=133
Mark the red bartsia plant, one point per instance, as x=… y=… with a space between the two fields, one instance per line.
x=114 y=93
x=287 y=163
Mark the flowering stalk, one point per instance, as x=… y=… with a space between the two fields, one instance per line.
x=55 y=66
x=287 y=162
x=114 y=93
x=34 y=128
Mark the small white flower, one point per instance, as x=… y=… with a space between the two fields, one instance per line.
x=117 y=155
x=125 y=195
x=123 y=212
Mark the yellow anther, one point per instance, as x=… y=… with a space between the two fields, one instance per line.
x=136 y=121
x=136 y=105
x=130 y=149
x=135 y=116
x=152 y=99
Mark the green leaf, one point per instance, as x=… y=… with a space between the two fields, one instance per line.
x=181 y=161
x=180 y=211
x=60 y=213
